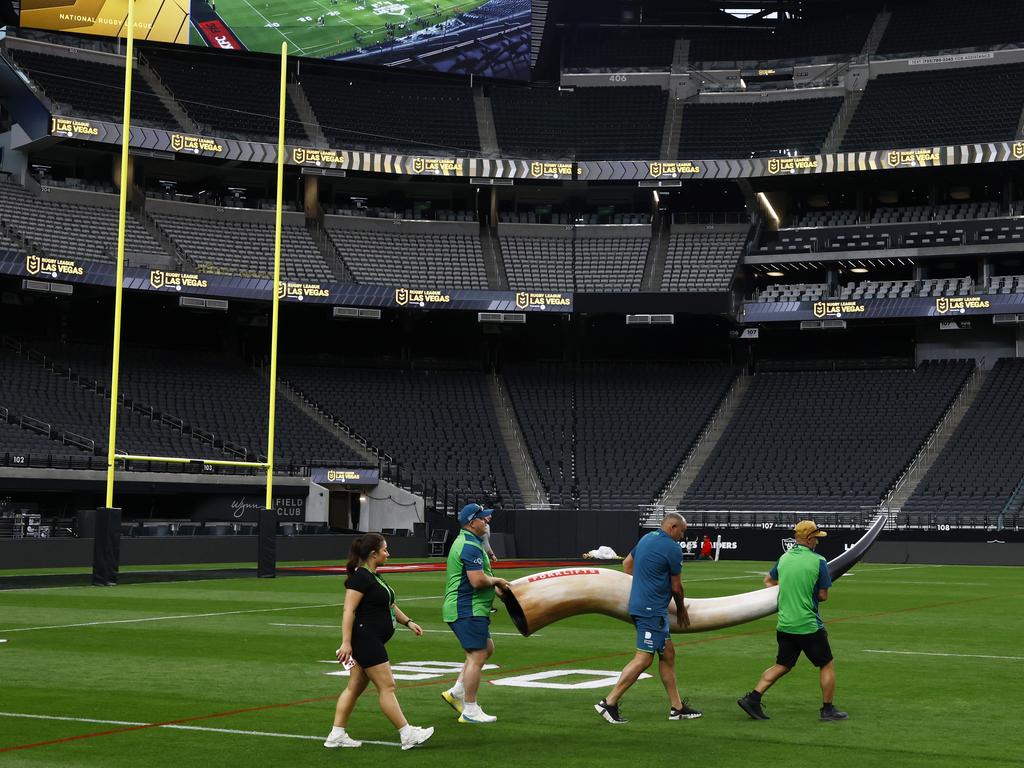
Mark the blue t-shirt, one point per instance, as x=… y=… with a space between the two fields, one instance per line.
x=656 y=559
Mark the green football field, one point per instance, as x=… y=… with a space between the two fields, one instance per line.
x=233 y=672
x=347 y=25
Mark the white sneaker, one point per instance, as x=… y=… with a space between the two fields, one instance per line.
x=341 y=741
x=479 y=716
x=416 y=736
x=453 y=699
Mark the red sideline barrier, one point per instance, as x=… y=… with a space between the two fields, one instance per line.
x=439 y=565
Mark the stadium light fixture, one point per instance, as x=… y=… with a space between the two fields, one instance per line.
x=859 y=270
x=774 y=273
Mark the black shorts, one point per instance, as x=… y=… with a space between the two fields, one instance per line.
x=368 y=643
x=815 y=647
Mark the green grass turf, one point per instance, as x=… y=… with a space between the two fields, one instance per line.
x=251 y=22
x=905 y=710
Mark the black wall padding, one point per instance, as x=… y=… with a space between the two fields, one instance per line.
x=106 y=546
x=266 y=537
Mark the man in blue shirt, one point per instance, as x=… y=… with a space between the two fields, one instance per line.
x=655 y=563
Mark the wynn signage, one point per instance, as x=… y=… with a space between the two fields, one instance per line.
x=244 y=508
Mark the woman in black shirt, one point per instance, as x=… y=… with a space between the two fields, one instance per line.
x=367 y=623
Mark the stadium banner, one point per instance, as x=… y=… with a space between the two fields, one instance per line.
x=841 y=162
x=943 y=307
x=199 y=284
x=308 y=157
x=243 y=508
x=537 y=170
x=336 y=476
x=488 y=38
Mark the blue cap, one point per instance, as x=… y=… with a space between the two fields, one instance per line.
x=471 y=512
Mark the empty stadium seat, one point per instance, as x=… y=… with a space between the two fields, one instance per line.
x=824 y=440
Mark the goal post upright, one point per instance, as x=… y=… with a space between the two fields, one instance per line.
x=106 y=548
x=106 y=554
x=266 y=566
x=122 y=209
x=275 y=297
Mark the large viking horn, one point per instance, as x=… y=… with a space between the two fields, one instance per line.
x=535 y=601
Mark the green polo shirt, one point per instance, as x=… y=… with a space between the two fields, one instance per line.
x=461 y=599
x=801 y=572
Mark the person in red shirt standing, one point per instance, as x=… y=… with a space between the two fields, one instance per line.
x=705 y=548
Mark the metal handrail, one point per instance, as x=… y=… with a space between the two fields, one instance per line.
x=79 y=440
x=1010 y=502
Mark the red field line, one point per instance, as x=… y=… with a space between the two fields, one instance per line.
x=440 y=565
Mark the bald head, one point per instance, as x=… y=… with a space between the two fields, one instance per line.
x=674 y=525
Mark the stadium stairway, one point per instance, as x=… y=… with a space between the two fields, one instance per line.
x=670 y=134
x=485 y=123
x=306 y=115
x=176 y=257
x=936 y=442
x=344 y=435
x=705 y=445
x=680 y=54
x=838 y=130
x=524 y=473
x=328 y=250
x=166 y=98
x=494 y=260
x=657 y=253
x=875 y=35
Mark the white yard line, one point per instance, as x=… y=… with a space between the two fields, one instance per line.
x=953 y=655
x=197 y=615
x=865 y=569
x=340 y=17
x=276 y=29
x=173 y=727
x=943 y=583
x=441 y=631
x=169 y=618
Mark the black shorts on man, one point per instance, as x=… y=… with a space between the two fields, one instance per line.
x=814 y=646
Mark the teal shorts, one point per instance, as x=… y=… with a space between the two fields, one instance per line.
x=473 y=631
x=651 y=633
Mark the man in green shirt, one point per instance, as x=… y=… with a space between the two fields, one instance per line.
x=804 y=581
x=468 y=595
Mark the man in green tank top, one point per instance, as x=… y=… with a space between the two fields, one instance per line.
x=468 y=595
x=804 y=581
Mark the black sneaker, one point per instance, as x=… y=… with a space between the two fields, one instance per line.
x=752 y=708
x=686 y=712
x=831 y=713
x=609 y=712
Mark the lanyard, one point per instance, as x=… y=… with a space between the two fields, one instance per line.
x=390 y=591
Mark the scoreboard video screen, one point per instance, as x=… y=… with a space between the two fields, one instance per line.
x=490 y=38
